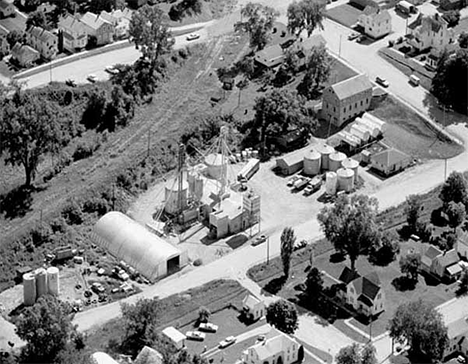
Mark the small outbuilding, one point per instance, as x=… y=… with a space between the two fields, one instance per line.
x=102 y=358
x=390 y=161
x=148 y=355
x=462 y=245
x=253 y=308
x=174 y=336
x=291 y=162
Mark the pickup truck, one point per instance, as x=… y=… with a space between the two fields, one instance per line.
x=301 y=183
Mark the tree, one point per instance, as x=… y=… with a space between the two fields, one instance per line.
x=15 y=36
x=46 y=328
x=291 y=61
x=386 y=248
x=463 y=283
x=150 y=35
x=368 y=354
x=29 y=128
x=463 y=40
x=350 y=225
x=203 y=315
x=452 y=17
x=119 y=110
x=357 y=354
x=259 y=23
x=314 y=284
x=422 y=326
x=456 y=214
x=446 y=85
x=288 y=238
x=283 y=315
x=409 y=265
x=305 y=15
x=318 y=69
x=454 y=189
x=413 y=210
x=31 y=5
x=37 y=19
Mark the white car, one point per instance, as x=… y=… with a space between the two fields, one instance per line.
x=195 y=335
x=382 y=81
x=92 y=78
x=208 y=327
x=193 y=36
x=227 y=341
x=112 y=70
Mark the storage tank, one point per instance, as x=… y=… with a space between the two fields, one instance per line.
x=330 y=183
x=53 y=280
x=312 y=163
x=374 y=119
x=172 y=195
x=345 y=179
x=217 y=165
x=325 y=150
x=195 y=182
x=351 y=139
x=335 y=160
x=360 y=132
x=352 y=164
x=374 y=129
x=255 y=154
x=29 y=289
x=41 y=282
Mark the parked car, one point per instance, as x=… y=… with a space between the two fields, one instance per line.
x=208 y=327
x=70 y=82
x=92 y=78
x=259 y=239
x=353 y=36
x=193 y=36
x=195 y=335
x=261 y=338
x=227 y=342
x=382 y=81
x=361 y=38
x=301 y=183
x=461 y=359
x=292 y=180
x=313 y=186
x=300 y=244
x=112 y=70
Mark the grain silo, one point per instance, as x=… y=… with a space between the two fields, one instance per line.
x=325 y=150
x=53 y=281
x=334 y=162
x=360 y=132
x=352 y=164
x=330 y=183
x=374 y=129
x=374 y=119
x=345 y=179
x=173 y=197
x=312 y=163
x=195 y=182
x=41 y=282
x=29 y=289
x=217 y=165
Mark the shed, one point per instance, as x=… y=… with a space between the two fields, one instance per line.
x=102 y=358
x=253 y=308
x=292 y=162
x=390 y=161
x=174 y=336
x=148 y=355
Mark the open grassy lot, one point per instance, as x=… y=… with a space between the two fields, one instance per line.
x=345 y=14
x=407 y=131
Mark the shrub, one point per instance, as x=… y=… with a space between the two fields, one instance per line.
x=96 y=204
x=197 y=262
x=73 y=214
x=424 y=230
x=41 y=235
x=183 y=53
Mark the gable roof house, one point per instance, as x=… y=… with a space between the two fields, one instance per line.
x=98 y=27
x=428 y=258
x=24 y=54
x=462 y=245
x=457 y=332
x=451 y=4
x=390 y=161
x=377 y=23
x=346 y=99
x=43 y=41
x=446 y=265
x=7 y=8
x=73 y=32
x=120 y=20
x=253 y=308
x=429 y=32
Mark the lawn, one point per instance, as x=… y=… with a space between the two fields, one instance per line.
x=345 y=14
x=461 y=27
x=14 y=23
x=407 y=131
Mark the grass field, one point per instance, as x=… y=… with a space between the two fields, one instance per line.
x=345 y=14
x=14 y=23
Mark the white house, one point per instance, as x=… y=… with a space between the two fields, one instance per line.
x=277 y=348
x=457 y=332
x=254 y=308
x=376 y=22
x=429 y=32
x=462 y=245
x=98 y=27
x=43 y=41
x=120 y=19
x=174 y=336
x=73 y=32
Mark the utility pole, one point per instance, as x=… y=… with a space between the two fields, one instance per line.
x=50 y=71
x=339 y=49
x=149 y=141
x=268 y=250
x=445 y=170
x=113 y=197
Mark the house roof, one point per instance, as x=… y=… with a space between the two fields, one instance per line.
x=463 y=239
x=71 y=23
x=365 y=300
x=270 y=56
x=41 y=34
x=429 y=255
x=457 y=328
x=433 y=22
x=416 y=23
x=448 y=258
x=125 y=13
x=275 y=342
x=5 y=3
x=294 y=157
x=20 y=50
x=250 y=301
x=347 y=275
x=389 y=157
x=148 y=355
x=367 y=286
x=351 y=86
x=377 y=13
x=108 y=16
x=93 y=21
x=173 y=334
x=454 y=269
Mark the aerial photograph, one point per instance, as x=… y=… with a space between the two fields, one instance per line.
x=233 y=181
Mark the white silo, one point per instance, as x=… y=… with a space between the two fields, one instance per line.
x=374 y=129
x=29 y=289
x=352 y=164
x=351 y=139
x=312 y=163
x=330 y=183
x=53 y=284
x=360 y=132
x=41 y=282
x=217 y=165
x=374 y=119
x=345 y=179
x=325 y=150
x=195 y=182
x=335 y=160
x=172 y=195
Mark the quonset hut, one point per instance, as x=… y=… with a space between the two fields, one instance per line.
x=131 y=242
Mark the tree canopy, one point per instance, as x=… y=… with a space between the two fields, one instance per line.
x=313 y=284
x=288 y=238
x=38 y=19
x=350 y=225
x=463 y=40
x=454 y=189
x=409 y=265
x=305 y=15
x=318 y=69
x=282 y=314
x=357 y=354
x=456 y=214
x=413 y=210
x=422 y=326
x=259 y=23
x=29 y=128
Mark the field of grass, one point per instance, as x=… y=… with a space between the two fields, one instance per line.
x=14 y=23
x=345 y=14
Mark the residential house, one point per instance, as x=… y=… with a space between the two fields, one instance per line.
x=7 y=8
x=73 y=33
x=429 y=32
x=346 y=99
x=120 y=19
x=376 y=23
x=366 y=295
x=462 y=245
x=306 y=46
x=446 y=266
x=148 y=355
x=4 y=46
x=98 y=27
x=428 y=258
x=253 y=308
x=276 y=348
x=390 y=161
x=451 y=4
x=43 y=41
x=174 y=336
x=347 y=276
x=270 y=57
x=24 y=54
x=457 y=332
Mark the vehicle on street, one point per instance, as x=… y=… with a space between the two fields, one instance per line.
x=353 y=36
x=259 y=239
x=208 y=327
x=112 y=70
x=70 y=82
x=261 y=338
x=292 y=180
x=227 y=342
x=193 y=36
x=92 y=78
x=300 y=244
x=313 y=186
x=382 y=81
x=195 y=335
x=461 y=359
x=301 y=183
x=414 y=80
